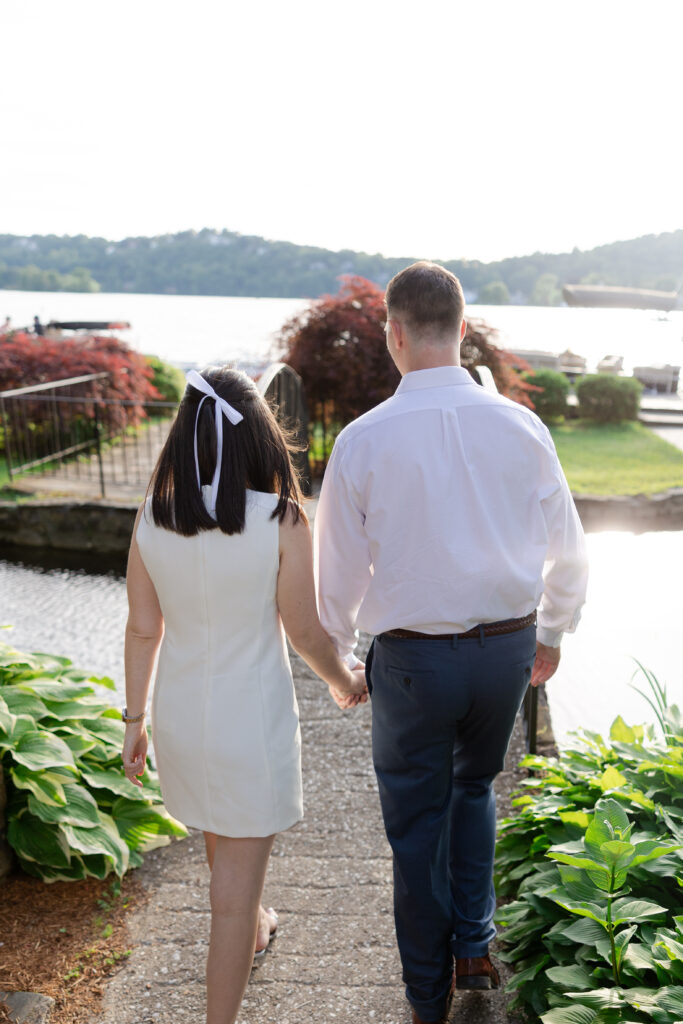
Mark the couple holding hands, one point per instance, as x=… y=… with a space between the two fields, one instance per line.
x=444 y=523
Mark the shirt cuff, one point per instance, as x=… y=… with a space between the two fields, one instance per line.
x=351 y=661
x=548 y=637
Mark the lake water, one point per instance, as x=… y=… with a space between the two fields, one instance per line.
x=189 y=329
x=633 y=611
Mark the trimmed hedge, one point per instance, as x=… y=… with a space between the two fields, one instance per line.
x=607 y=399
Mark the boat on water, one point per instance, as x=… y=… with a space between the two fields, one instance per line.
x=610 y=297
x=87 y=325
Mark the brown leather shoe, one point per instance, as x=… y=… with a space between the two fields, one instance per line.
x=444 y=1017
x=476 y=972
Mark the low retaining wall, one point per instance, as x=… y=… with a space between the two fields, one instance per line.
x=100 y=527
x=636 y=513
x=105 y=528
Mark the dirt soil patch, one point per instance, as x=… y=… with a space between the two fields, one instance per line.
x=64 y=939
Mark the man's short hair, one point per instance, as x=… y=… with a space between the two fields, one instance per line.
x=427 y=297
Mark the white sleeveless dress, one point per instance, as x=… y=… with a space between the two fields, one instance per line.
x=225 y=722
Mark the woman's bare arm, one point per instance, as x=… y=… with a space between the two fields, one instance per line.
x=144 y=630
x=298 y=610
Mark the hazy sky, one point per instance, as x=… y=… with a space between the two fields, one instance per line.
x=437 y=129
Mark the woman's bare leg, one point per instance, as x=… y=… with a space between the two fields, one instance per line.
x=267 y=921
x=210 y=843
x=237 y=877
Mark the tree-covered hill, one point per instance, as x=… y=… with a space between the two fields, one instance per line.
x=226 y=263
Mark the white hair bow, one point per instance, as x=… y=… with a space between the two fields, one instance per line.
x=222 y=408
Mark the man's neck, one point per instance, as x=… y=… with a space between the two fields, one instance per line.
x=431 y=358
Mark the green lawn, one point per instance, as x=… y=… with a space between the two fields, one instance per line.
x=624 y=458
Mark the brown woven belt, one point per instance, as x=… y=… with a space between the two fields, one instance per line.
x=488 y=628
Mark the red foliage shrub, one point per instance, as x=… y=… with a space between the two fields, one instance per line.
x=27 y=359
x=338 y=347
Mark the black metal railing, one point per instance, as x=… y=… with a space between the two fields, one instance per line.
x=283 y=388
x=66 y=430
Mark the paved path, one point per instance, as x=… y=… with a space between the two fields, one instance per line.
x=674 y=435
x=334 y=960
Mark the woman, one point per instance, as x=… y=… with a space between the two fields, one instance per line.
x=219 y=562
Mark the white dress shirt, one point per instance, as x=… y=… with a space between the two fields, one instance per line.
x=442 y=508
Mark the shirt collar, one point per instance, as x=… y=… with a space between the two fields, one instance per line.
x=436 y=377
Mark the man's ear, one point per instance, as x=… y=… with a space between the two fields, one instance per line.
x=463 y=329
x=399 y=333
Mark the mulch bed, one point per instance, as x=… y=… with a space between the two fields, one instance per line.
x=64 y=939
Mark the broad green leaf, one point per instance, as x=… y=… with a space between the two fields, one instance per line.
x=582 y=909
x=79 y=809
x=109 y=730
x=528 y=974
x=45 y=790
x=627 y=910
x=115 y=781
x=597 y=873
x=100 y=839
x=618 y=854
x=569 y=1015
x=83 y=707
x=579 y=818
x=578 y=885
x=40 y=749
x=621 y=732
x=571 y=977
x=53 y=690
x=34 y=840
x=622 y=940
x=78 y=745
x=610 y=821
x=611 y=779
x=14 y=728
x=651 y=850
x=639 y=956
x=19 y=702
x=645 y=999
x=671 y=999
x=144 y=826
x=600 y=998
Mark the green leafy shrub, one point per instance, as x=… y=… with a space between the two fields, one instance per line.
x=551 y=401
x=71 y=812
x=168 y=380
x=608 y=399
x=592 y=859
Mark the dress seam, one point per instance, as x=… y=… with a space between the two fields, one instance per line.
x=207 y=677
x=264 y=607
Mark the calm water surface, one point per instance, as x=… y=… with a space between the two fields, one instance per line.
x=633 y=611
x=189 y=329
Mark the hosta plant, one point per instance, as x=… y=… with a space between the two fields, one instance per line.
x=71 y=812
x=592 y=861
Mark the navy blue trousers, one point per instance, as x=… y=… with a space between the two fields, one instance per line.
x=443 y=712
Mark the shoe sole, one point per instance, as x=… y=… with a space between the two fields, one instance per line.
x=474 y=982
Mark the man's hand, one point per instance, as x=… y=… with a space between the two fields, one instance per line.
x=350 y=700
x=545 y=666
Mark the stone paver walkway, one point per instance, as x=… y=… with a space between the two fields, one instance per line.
x=334 y=960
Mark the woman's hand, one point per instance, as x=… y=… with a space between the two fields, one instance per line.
x=357 y=692
x=134 y=753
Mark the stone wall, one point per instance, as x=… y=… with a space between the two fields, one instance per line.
x=637 y=513
x=106 y=528
x=68 y=525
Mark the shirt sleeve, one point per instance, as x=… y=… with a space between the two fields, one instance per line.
x=342 y=555
x=565 y=573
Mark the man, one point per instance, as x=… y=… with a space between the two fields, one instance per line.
x=439 y=510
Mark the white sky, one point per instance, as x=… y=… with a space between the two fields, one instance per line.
x=434 y=129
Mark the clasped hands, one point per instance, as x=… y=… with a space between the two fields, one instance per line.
x=359 y=693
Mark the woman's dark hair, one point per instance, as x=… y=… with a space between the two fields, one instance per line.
x=256 y=455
